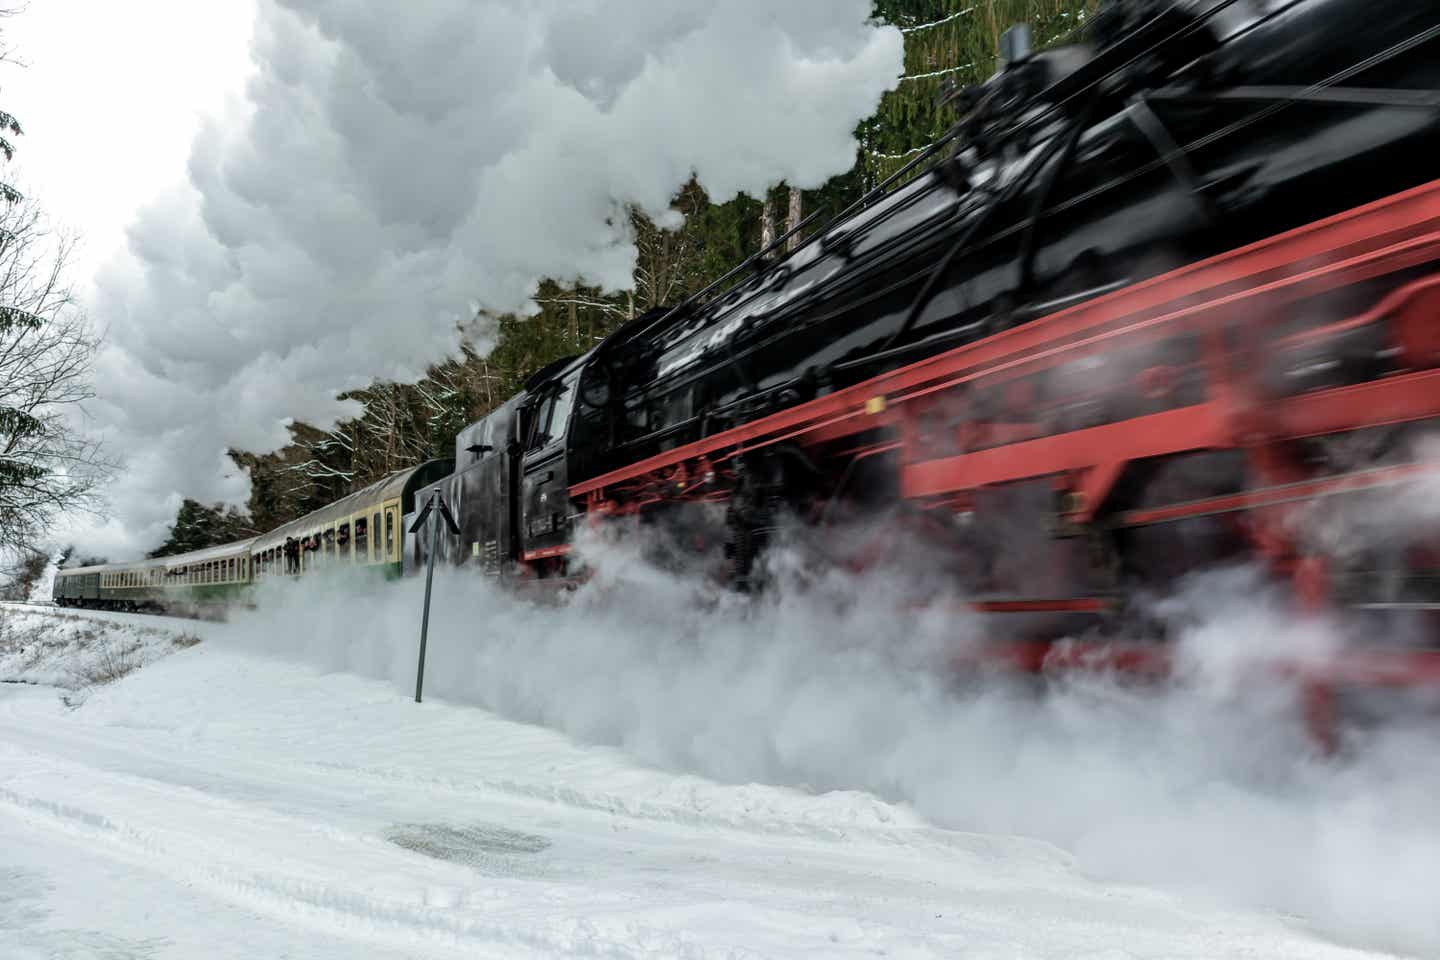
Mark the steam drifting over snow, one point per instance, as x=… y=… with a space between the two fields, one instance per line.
x=832 y=682
x=387 y=174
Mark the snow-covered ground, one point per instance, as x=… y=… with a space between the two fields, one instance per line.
x=626 y=785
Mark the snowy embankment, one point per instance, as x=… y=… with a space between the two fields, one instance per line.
x=77 y=651
x=273 y=790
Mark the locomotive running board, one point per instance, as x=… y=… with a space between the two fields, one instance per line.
x=1378 y=478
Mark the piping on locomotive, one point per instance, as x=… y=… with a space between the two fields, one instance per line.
x=1156 y=294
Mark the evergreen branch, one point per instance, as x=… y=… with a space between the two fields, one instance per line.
x=937 y=73
x=936 y=23
x=11 y=317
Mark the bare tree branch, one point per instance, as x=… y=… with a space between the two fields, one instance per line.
x=48 y=465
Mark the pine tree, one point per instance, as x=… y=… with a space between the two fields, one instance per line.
x=948 y=42
x=197 y=526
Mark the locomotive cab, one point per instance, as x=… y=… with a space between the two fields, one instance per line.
x=542 y=430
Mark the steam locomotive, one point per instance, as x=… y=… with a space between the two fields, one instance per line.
x=1159 y=294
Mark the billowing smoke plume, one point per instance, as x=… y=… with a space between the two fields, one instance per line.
x=392 y=169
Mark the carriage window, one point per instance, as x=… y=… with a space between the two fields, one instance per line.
x=375 y=525
x=230 y=568
x=342 y=539
x=362 y=540
x=389 y=533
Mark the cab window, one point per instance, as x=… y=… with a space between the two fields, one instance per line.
x=552 y=414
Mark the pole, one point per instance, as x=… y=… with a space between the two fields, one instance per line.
x=429 y=576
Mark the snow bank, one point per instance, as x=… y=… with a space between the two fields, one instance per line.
x=832 y=683
x=280 y=810
x=77 y=651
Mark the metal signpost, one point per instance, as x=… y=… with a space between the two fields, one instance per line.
x=443 y=513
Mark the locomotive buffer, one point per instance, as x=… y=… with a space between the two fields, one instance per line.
x=442 y=513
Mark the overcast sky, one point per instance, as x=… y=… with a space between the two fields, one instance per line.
x=111 y=96
x=284 y=199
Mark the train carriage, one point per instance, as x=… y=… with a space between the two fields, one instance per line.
x=199 y=581
x=364 y=530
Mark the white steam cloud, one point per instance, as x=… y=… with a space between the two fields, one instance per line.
x=831 y=681
x=389 y=171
